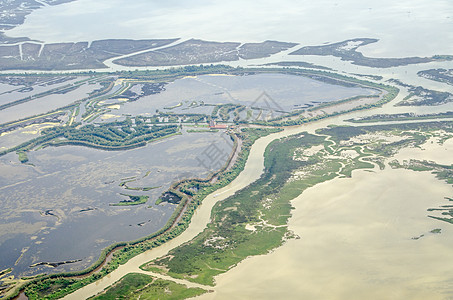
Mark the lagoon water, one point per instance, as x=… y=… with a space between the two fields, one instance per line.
x=406 y=28
x=357 y=241
x=283 y=92
x=44 y=104
x=77 y=184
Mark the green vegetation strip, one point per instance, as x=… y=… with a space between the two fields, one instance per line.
x=141 y=286
x=110 y=136
x=23 y=158
x=4 y=272
x=401 y=117
x=59 y=90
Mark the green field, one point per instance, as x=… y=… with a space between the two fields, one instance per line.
x=141 y=286
x=253 y=221
x=133 y=200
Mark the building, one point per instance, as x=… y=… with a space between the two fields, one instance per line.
x=213 y=125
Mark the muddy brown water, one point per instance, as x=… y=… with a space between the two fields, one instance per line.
x=358 y=241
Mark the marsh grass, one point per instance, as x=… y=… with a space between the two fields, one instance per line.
x=142 y=286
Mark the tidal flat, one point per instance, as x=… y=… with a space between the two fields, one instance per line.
x=356 y=241
x=377 y=233
x=286 y=92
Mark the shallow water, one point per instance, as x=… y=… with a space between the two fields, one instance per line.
x=432 y=150
x=11 y=92
x=283 y=92
x=14 y=138
x=355 y=243
x=406 y=28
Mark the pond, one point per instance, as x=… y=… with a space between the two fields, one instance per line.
x=283 y=92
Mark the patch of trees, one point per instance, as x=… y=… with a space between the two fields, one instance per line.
x=109 y=136
x=420 y=96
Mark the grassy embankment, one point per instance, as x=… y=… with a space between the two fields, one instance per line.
x=4 y=272
x=202 y=130
x=60 y=90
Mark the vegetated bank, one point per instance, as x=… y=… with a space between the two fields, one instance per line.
x=136 y=285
